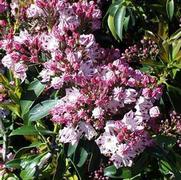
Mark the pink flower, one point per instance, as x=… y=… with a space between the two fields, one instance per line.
x=123 y=157
x=87 y=40
x=131 y=122
x=3 y=7
x=20 y=71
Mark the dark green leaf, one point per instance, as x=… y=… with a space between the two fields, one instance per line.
x=33 y=91
x=174 y=95
x=166 y=141
x=15 y=163
x=41 y=110
x=126 y=23
x=125 y=173
x=31 y=166
x=170 y=9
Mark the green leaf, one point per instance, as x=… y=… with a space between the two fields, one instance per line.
x=111 y=26
x=110 y=171
x=176 y=35
x=31 y=166
x=119 y=21
x=165 y=168
x=126 y=23
x=95 y=158
x=15 y=163
x=33 y=91
x=176 y=48
x=125 y=173
x=71 y=149
x=41 y=110
x=83 y=157
x=170 y=9
x=8 y=176
x=27 y=130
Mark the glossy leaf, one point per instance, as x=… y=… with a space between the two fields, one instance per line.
x=33 y=91
x=83 y=157
x=119 y=21
x=111 y=26
x=110 y=171
x=15 y=163
x=41 y=110
x=27 y=130
x=170 y=9
x=71 y=149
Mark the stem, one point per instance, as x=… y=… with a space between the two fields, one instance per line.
x=55 y=128
x=43 y=139
x=75 y=169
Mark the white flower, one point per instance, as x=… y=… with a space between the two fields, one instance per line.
x=107 y=143
x=56 y=82
x=98 y=112
x=69 y=135
x=109 y=128
x=23 y=36
x=72 y=95
x=118 y=93
x=34 y=11
x=87 y=68
x=131 y=122
x=87 y=40
x=20 y=71
x=122 y=157
x=49 y=42
x=109 y=75
x=154 y=112
x=130 y=96
x=87 y=129
x=144 y=103
x=7 y=61
x=46 y=74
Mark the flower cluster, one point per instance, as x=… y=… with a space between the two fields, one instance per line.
x=98 y=174
x=140 y=52
x=105 y=99
x=172 y=127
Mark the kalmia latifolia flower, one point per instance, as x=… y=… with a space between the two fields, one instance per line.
x=104 y=98
x=121 y=143
x=142 y=51
x=172 y=126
